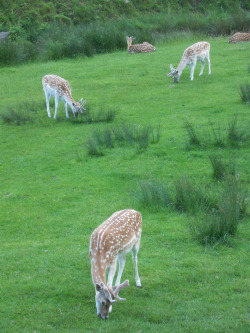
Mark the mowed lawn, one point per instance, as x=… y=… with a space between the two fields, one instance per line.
x=53 y=194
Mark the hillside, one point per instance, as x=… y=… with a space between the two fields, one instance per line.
x=29 y=13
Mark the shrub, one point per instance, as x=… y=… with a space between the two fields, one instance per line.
x=222 y=223
x=189 y=198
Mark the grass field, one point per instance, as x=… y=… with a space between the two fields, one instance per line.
x=53 y=194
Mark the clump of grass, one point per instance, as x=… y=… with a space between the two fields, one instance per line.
x=234 y=134
x=194 y=138
x=135 y=135
x=104 y=116
x=245 y=92
x=154 y=195
x=222 y=224
x=93 y=147
x=219 y=140
x=16 y=117
x=188 y=197
x=220 y=169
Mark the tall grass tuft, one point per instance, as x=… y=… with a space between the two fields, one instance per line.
x=192 y=134
x=154 y=195
x=219 y=139
x=245 y=92
x=93 y=147
x=233 y=133
x=16 y=117
x=221 y=224
x=189 y=198
x=220 y=169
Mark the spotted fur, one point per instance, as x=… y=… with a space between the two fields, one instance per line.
x=239 y=37
x=57 y=87
x=145 y=47
x=197 y=52
x=112 y=240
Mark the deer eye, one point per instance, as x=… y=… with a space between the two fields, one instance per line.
x=103 y=303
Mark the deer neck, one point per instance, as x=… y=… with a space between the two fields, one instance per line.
x=70 y=101
x=182 y=65
x=98 y=270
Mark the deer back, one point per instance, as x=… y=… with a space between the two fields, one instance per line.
x=117 y=234
x=141 y=48
x=58 y=84
x=239 y=37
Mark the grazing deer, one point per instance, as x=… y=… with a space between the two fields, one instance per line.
x=196 y=52
x=139 y=48
x=57 y=87
x=239 y=37
x=112 y=240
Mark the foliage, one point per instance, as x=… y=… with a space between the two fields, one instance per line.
x=222 y=224
x=57 y=38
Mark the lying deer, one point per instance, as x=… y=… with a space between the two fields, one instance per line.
x=197 y=52
x=139 y=48
x=57 y=87
x=239 y=37
x=112 y=240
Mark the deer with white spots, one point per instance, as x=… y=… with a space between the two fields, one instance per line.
x=111 y=241
x=239 y=37
x=57 y=87
x=197 y=52
x=145 y=47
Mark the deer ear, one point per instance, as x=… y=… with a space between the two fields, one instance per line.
x=98 y=286
x=133 y=38
x=171 y=67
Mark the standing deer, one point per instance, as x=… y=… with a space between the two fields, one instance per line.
x=57 y=87
x=239 y=37
x=112 y=240
x=196 y=52
x=139 y=48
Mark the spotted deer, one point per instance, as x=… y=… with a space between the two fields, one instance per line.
x=139 y=48
x=197 y=52
x=57 y=87
x=111 y=241
x=239 y=37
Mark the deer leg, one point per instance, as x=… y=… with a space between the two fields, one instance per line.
x=202 y=67
x=135 y=250
x=209 y=66
x=122 y=261
x=111 y=274
x=192 y=67
x=66 y=109
x=47 y=96
x=56 y=106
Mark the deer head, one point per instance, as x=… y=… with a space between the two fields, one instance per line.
x=129 y=40
x=174 y=73
x=78 y=107
x=105 y=298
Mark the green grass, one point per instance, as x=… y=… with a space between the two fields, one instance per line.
x=53 y=194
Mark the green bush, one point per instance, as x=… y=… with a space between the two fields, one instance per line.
x=221 y=224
